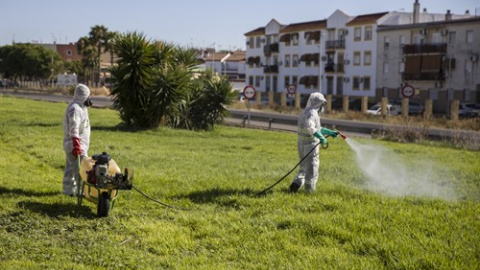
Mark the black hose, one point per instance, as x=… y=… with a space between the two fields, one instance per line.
x=276 y=183
x=155 y=200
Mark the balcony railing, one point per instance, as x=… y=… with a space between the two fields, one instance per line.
x=425 y=48
x=423 y=77
x=331 y=67
x=270 y=48
x=335 y=44
x=270 y=69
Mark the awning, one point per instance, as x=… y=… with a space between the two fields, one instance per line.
x=285 y=38
x=305 y=57
x=304 y=80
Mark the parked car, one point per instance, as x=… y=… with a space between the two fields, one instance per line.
x=415 y=108
x=468 y=110
x=391 y=109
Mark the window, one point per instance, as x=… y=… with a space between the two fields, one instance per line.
x=386 y=68
x=275 y=83
x=356 y=58
x=367 y=58
x=295 y=39
x=356 y=83
x=267 y=84
x=295 y=80
x=69 y=52
x=295 y=60
x=403 y=40
x=258 y=42
x=287 y=81
x=368 y=33
x=257 y=81
x=451 y=37
x=251 y=43
x=468 y=66
x=366 y=83
x=357 y=36
x=287 y=60
x=250 y=80
x=469 y=36
x=386 y=42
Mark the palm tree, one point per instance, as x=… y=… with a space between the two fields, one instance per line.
x=87 y=51
x=97 y=37
x=109 y=44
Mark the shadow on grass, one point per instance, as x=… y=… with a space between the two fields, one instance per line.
x=218 y=195
x=44 y=124
x=29 y=193
x=119 y=127
x=56 y=210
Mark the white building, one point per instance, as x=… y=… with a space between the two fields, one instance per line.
x=337 y=56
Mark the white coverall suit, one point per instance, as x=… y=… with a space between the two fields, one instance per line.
x=75 y=124
x=308 y=125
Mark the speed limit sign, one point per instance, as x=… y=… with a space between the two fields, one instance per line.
x=408 y=91
x=249 y=92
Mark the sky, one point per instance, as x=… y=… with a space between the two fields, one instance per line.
x=208 y=23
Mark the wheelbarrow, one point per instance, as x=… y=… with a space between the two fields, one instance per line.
x=99 y=179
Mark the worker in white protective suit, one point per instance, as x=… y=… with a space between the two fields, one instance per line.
x=76 y=135
x=310 y=133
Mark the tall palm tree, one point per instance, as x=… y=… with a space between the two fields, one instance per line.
x=89 y=56
x=109 y=44
x=97 y=36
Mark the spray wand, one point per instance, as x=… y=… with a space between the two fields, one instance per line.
x=323 y=146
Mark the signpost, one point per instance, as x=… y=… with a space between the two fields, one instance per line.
x=249 y=93
x=291 y=90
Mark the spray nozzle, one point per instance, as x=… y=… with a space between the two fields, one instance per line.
x=341 y=135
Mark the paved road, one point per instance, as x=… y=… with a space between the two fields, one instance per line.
x=98 y=102
x=286 y=122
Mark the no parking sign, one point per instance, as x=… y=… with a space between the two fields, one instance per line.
x=408 y=91
x=249 y=92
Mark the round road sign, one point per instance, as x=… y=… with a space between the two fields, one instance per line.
x=249 y=92
x=408 y=91
x=292 y=88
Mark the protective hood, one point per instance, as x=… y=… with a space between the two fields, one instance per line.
x=82 y=92
x=316 y=100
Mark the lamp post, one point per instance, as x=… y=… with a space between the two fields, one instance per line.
x=213 y=60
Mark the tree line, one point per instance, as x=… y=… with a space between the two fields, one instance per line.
x=153 y=83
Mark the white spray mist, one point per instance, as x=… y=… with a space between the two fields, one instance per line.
x=387 y=173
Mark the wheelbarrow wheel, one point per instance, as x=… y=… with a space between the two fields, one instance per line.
x=103 y=205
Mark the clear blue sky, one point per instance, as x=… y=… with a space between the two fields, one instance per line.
x=184 y=22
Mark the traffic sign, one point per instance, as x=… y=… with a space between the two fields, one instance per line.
x=292 y=88
x=408 y=91
x=249 y=92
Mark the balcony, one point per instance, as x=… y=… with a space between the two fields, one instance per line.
x=335 y=44
x=425 y=48
x=423 y=77
x=331 y=67
x=270 y=69
x=270 y=48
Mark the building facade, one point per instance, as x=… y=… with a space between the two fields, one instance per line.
x=440 y=60
x=347 y=56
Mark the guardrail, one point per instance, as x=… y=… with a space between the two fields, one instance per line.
x=360 y=127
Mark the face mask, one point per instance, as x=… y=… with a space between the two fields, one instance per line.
x=321 y=109
x=88 y=102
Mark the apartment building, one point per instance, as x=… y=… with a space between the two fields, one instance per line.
x=338 y=56
x=440 y=60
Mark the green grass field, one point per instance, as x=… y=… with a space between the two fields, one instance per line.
x=213 y=177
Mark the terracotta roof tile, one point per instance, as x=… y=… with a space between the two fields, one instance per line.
x=304 y=26
x=257 y=32
x=366 y=19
